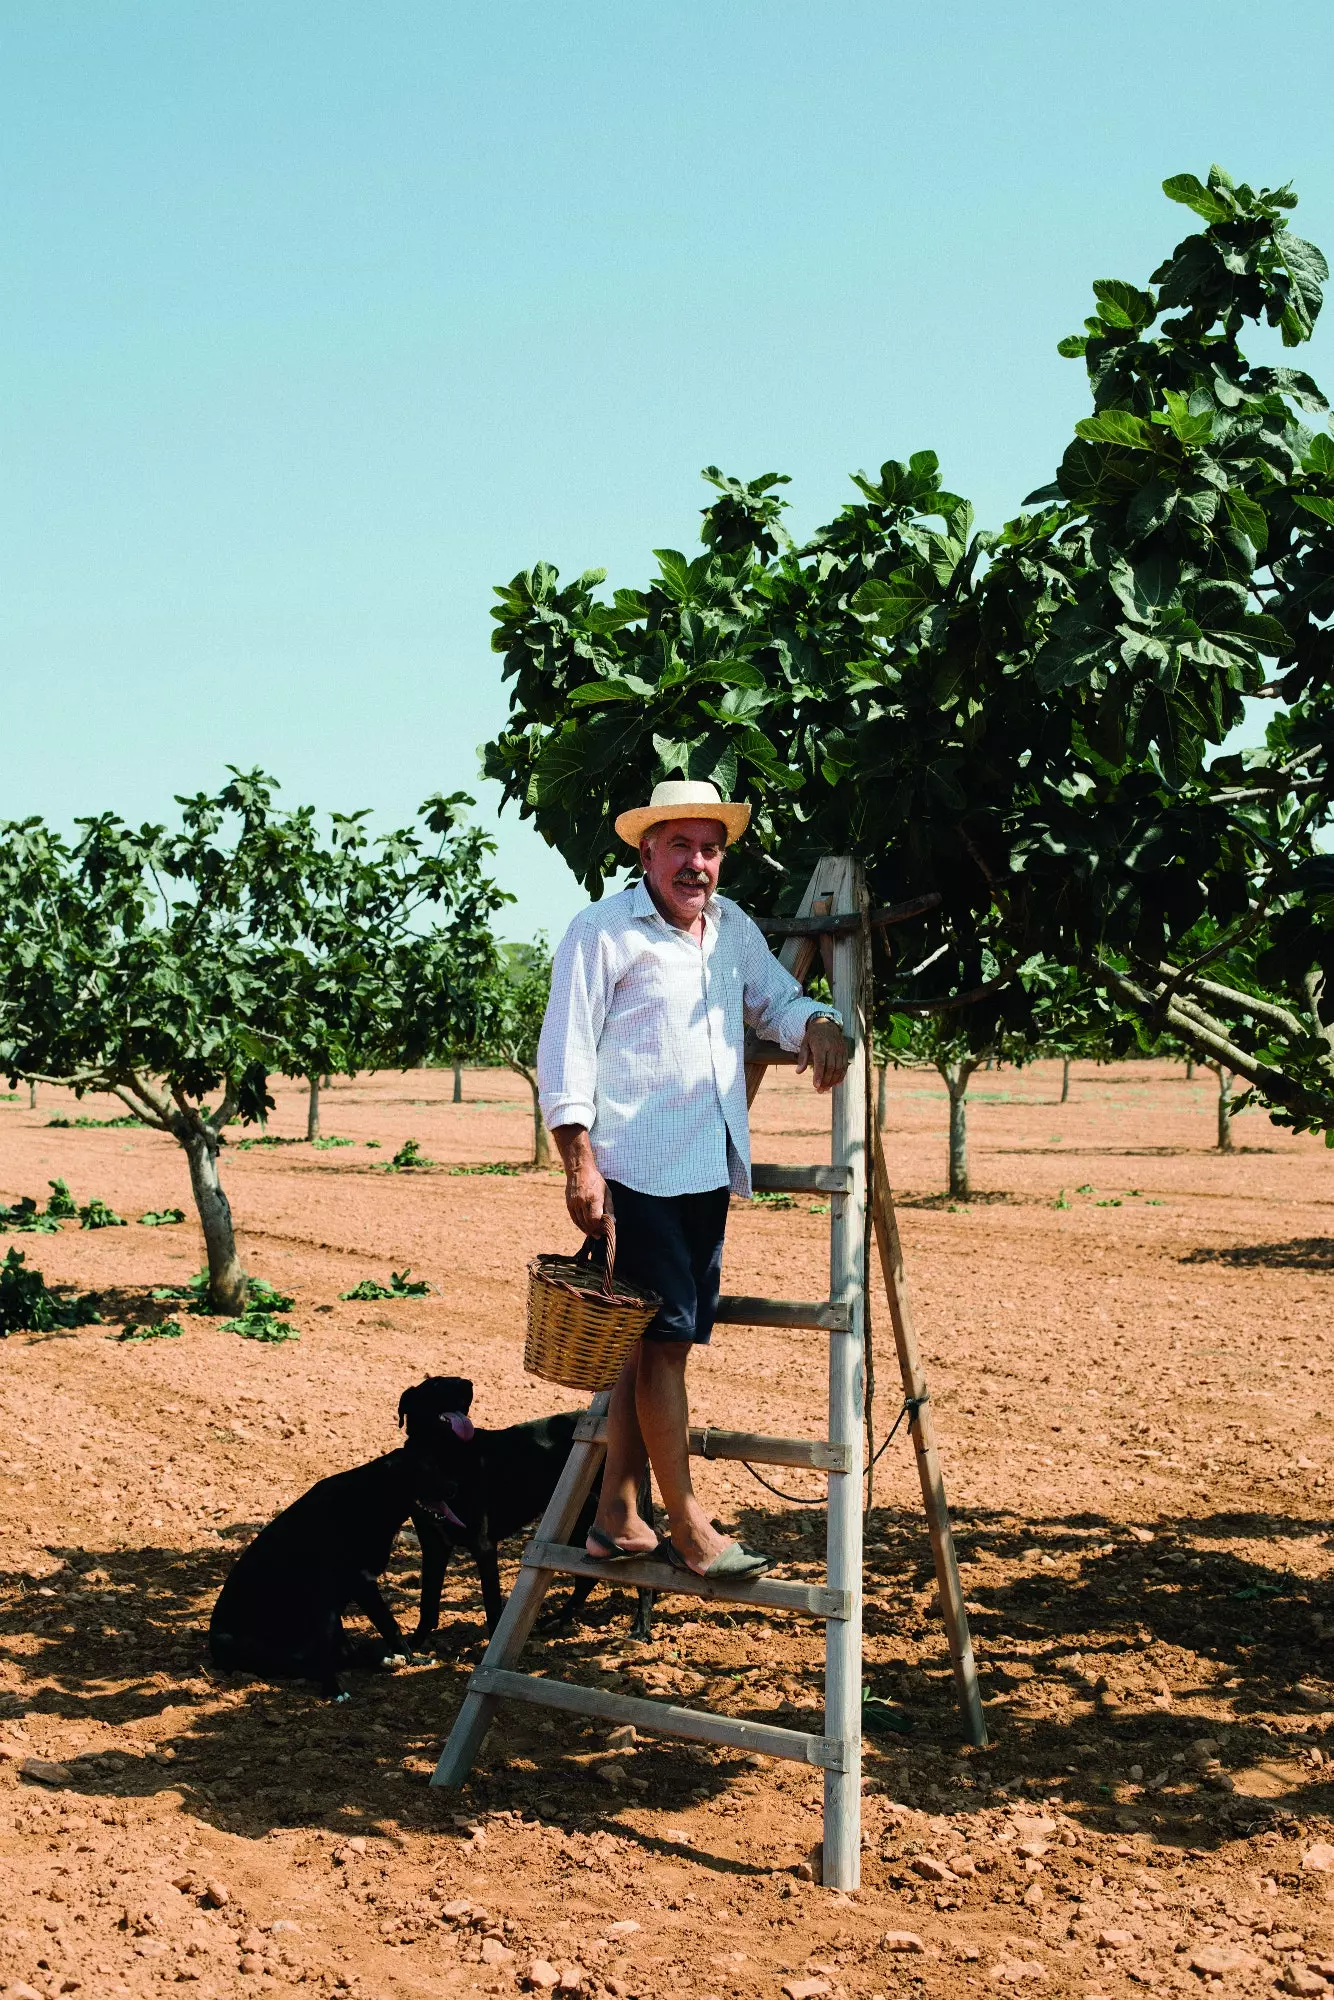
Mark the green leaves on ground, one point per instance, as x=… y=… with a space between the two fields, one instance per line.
x=24 y=1214
x=397 y=1288
x=161 y=1218
x=88 y=1124
x=151 y=1329
x=252 y=1325
x=97 y=1215
x=27 y=1305
x=61 y=1202
x=408 y=1156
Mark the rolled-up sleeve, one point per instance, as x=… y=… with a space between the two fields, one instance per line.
x=567 y=1050
x=774 y=1003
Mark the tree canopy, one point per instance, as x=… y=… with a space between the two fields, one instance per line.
x=1028 y=720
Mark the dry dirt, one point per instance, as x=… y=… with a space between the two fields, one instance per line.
x=1133 y=1383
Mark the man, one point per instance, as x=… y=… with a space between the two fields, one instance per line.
x=641 y=1073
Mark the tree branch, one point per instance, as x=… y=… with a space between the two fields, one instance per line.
x=1248 y=1003
x=951 y=1001
x=136 y=1101
x=1208 y=1037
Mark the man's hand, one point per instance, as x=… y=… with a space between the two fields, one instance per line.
x=586 y=1195
x=824 y=1052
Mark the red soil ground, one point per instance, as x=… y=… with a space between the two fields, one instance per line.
x=1133 y=1384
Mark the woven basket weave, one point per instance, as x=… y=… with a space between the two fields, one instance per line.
x=581 y=1322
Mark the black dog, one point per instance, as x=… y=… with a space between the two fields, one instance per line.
x=280 y=1610
x=501 y=1483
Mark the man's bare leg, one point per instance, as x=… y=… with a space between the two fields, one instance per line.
x=618 y=1513
x=663 y=1423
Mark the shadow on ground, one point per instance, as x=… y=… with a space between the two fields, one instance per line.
x=1094 y=1647
x=1300 y=1253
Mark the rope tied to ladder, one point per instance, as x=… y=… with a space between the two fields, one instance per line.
x=912 y=1405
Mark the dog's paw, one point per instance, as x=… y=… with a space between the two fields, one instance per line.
x=391 y=1660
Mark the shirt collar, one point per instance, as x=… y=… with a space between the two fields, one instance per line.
x=643 y=905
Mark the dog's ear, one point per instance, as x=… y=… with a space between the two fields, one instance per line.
x=407 y=1399
x=432 y=1397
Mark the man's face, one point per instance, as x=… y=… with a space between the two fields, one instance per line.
x=681 y=859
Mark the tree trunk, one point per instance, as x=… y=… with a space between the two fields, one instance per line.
x=458 y=1083
x=32 y=1095
x=1225 y=1083
x=881 y=1094
x=956 y=1075
x=1065 y=1079
x=1190 y=1069
x=541 y=1144
x=313 y=1110
x=227 y=1281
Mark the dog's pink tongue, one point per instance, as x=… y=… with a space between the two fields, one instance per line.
x=460 y=1425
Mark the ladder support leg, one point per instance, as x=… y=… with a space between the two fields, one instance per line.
x=522 y=1606
x=949 y=1584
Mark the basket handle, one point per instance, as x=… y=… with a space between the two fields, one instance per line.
x=585 y=1255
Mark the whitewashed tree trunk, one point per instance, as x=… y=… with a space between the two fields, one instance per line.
x=32 y=1095
x=458 y=1083
x=227 y=1281
x=313 y=1110
x=1226 y=1080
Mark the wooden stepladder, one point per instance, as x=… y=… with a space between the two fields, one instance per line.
x=833 y=919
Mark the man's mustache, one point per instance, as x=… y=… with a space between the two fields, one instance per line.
x=690 y=878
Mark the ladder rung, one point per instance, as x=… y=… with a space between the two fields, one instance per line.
x=768 y=1053
x=815 y=1454
x=661 y=1717
x=757 y=1051
x=800 y=1180
x=821 y=1314
x=772 y=1593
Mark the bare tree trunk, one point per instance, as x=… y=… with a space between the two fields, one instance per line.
x=313 y=1110
x=458 y=1083
x=227 y=1281
x=1226 y=1079
x=881 y=1094
x=32 y=1094
x=1065 y=1079
x=541 y=1143
x=1190 y=1069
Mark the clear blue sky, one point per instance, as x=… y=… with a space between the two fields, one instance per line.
x=320 y=318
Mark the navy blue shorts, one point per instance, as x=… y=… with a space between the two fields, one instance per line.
x=673 y=1243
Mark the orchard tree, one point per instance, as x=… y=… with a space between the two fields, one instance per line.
x=179 y=970
x=1027 y=722
x=510 y=1015
x=935 y=1041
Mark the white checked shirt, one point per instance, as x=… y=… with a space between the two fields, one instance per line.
x=644 y=1037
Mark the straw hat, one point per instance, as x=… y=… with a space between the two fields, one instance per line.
x=682 y=798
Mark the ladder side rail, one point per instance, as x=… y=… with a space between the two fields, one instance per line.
x=949 y=1584
x=847 y=1275
x=522 y=1605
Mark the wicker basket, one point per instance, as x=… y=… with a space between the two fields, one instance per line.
x=581 y=1322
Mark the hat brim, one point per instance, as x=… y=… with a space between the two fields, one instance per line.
x=633 y=825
